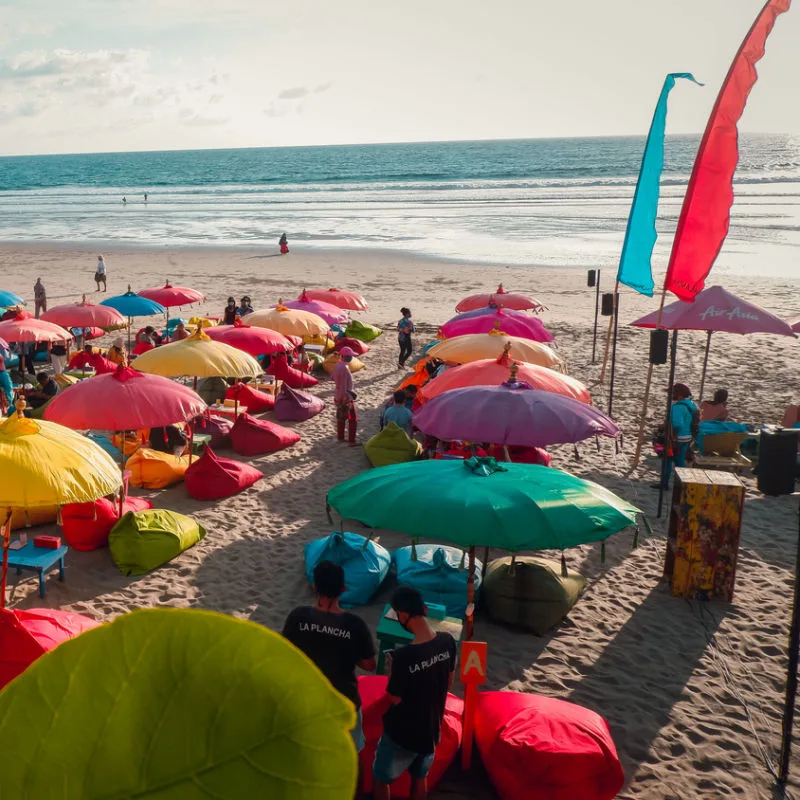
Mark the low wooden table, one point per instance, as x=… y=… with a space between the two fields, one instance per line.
x=735 y=463
x=38 y=559
x=228 y=411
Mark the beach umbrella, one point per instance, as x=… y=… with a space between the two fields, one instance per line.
x=288 y=322
x=478 y=502
x=494 y=371
x=43 y=464
x=500 y=299
x=4 y=344
x=330 y=313
x=170 y=296
x=8 y=299
x=131 y=305
x=24 y=328
x=715 y=310
x=511 y=414
x=501 y=320
x=350 y=301
x=476 y=346
x=255 y=341
x=84 y=315
x=794 y=323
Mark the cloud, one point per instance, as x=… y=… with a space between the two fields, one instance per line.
x=295 y=93
x=323 y=87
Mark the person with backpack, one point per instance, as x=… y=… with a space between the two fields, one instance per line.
x=684 y=419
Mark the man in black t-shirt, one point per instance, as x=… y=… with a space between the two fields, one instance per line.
x=335 y=640
x=421 y=675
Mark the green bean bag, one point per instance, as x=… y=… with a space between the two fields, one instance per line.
x=532 y=594
x=144 y=540
x=391 y=446
x=362 y=331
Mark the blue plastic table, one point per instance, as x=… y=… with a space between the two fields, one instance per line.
x=38 y=559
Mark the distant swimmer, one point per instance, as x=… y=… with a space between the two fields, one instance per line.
x=124 y=201
x=145 y=197
x=284 y=244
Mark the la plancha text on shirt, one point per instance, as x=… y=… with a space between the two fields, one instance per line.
x=328 y=630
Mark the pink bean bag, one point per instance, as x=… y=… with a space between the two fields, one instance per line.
x=292 y=405
x=219 y=428
x=374 y=704
x=279 y=367
x=212 y=477
x=27 y=634
x=254 y=437
x=540 y=748
x=86 y=525
x=356 y=345
x=253 y=400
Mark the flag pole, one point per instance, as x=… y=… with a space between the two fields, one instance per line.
x=608 y=336
x=613 y=350
x=596 y=310
x=668 y=424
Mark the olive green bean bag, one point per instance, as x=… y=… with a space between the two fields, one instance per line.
x=362 y=331
x=391 y=446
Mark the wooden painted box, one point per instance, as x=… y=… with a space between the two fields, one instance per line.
x=705 y=522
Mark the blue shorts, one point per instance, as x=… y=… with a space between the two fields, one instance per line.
x=391 y=761
x=357 y=732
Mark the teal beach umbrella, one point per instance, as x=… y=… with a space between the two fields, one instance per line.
x=132 y=305
x=9 y=299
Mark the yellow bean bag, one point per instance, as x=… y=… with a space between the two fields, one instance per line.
x=202 y=322
x=325 y=341
x=333 y=359
x=35 y=516
x=391 y=446
x=152 y=469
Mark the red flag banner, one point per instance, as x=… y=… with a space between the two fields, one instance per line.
x=706 y=213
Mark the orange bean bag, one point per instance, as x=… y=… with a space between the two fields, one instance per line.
x=86 y=525
x=374 y=704
x=279 y=367
x=255 y=437
x=152 y=469
x=22 y=518
x=253 y=400
x=212 y=477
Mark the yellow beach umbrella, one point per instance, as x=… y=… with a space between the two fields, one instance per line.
x=198 y=356
x=288 y=321
x=475 y=346
x=43 y=464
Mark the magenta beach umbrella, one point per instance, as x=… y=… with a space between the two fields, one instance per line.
x=511 y=414
x=332 y=314
x=514 y=323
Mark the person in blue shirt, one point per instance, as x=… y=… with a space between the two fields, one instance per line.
x=398 y=413
x=684 y=418
x=404 y=330
x=6 y=387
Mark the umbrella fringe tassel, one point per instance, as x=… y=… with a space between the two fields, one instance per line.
x=512 y=569
x=597 y=442
x=414 y=549
x=328 y=513
x=462 y=562
x=577 y=454
x=564 y=572
x=59 y=521
x=636 y=538
x=602 y=552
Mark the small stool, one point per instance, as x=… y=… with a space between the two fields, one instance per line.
x=38 y=559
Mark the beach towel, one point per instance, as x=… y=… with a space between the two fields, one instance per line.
x=280 y=369
x=255 y=437
x=152 y=469
x=86 y=526
x=292 y=405
x=362 y=331
x=391 y=446
x=255 y=401
x=212 y=477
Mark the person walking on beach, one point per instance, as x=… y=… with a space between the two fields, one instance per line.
x=334 y=639
x=344 y=397
x=283 y=242
x=404 y=330
x=420 y=675
x=39 y=297
x=100 y=274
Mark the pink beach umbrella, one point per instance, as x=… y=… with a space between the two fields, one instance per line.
x=794 y=322
x=23 y=328
x=511 y=414
x=716 y=310
x=514 y=323
x=330 y=313
x=502 y=299
x=170 y=296
x=350 y=301
x=84 y=315
x=253 y=341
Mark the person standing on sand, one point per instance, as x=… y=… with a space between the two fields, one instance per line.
x=344 y=397
x=335 y=640
x=283 y=242
x=100 y=274
x=6 y=387
x=684 y=419
x=404 y=330
x=420 y=676
x=39 y=297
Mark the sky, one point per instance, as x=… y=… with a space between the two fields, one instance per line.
x=118 y=75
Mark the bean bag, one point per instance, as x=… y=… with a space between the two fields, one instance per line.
x=532 y=595
x=375 y=703
x=279 y=367
x=322 y=341
x=392 y=445
x=64 y=381
x=131 y=441
x=86 y=526
x=253 y=400
x=255 y=437
x=354 y=365
x=440 y=574
x=365 y=564
x=541 y=748
x=141 y=347
x=522 y=455
x=151 y=469
x=362 y=331
x=212 y=390
x=30 y=517
x=356 y=345
x=212 y=477
x=26 y=634
x=296 y=406
x=144 y=540
x=219 y=428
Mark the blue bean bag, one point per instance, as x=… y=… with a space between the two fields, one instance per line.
x=440 y=573
x=365 y=564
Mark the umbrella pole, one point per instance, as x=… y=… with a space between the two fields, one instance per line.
x=613 y=350
x=122 y=473
x=130 y=322
x=470 y=593
x=6 y=542
x=608 y=335
x=668 y=423
x=705 y=367
x=191 y=443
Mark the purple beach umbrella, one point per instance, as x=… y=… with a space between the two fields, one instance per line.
x=514 y=323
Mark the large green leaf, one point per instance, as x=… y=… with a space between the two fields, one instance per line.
x=175 y=703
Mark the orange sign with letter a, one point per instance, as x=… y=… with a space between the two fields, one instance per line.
x=472 y=675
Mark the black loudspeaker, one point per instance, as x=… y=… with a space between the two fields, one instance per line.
x=607 y=306
x=777 y=455
x=591 y=277
x=659 y=344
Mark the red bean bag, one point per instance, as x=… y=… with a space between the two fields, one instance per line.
x=219 y=428
x=27 y=634
x=374 y=704
x=279 y=367
x=141 y=347
x=540 y=748
x=253 y=400
x=212 y=477
x=522 y=455
x=254 y=437
x=86 y=525
x=356 y=345
x=292 y=405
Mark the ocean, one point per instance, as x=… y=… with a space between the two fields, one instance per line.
x=539 y=202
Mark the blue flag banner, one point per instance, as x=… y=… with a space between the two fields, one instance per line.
x=635 y=269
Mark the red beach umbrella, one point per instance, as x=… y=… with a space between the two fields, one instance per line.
x=169 y=296
x=253 y=341
x=351 y=301
x=23 y=328
x=502 y=299
x=84 y=315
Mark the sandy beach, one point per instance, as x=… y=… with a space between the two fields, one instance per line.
x=692 y=691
